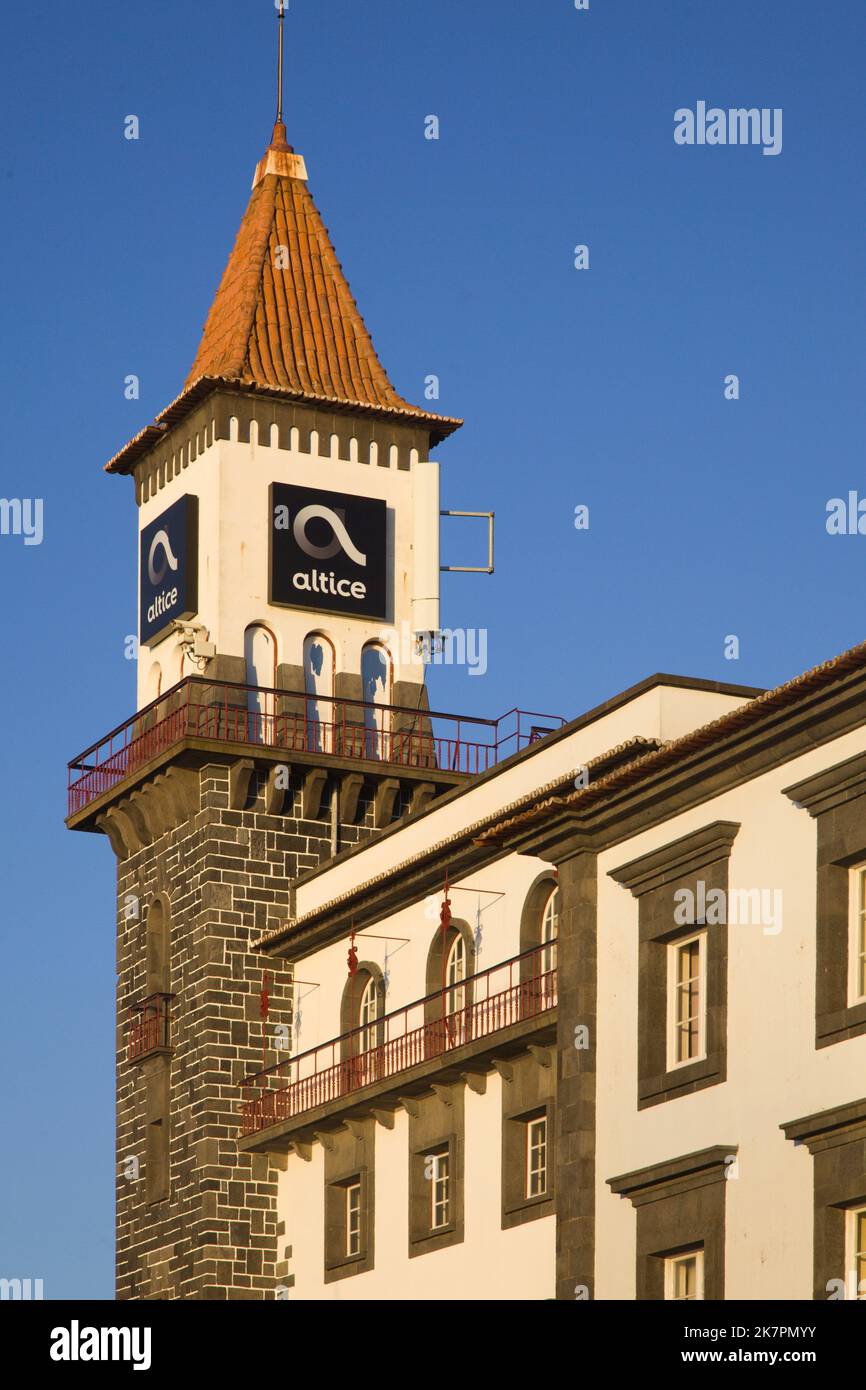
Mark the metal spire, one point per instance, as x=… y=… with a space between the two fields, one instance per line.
x=280 y=67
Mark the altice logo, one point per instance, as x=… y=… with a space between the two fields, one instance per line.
x=321 y=581
x=737 y=126
x=168 y=598
x=169 y=560
x=340 y=540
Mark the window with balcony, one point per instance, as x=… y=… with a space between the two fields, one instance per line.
x=319 y=669
x=260 y=656
x=377 y=682
x=448 y=1007
x=539 y=927
x=362 y=1013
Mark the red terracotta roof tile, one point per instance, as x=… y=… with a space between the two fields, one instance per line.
x=296 y=331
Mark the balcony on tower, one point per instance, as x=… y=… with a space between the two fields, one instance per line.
x=149 y=1030
x=404 y=756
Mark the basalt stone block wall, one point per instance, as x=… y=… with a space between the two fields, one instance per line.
x=206 y=1226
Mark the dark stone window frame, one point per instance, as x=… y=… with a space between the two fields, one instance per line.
x=435 y=1122
x=833 y=798
x=528 y=1092
x=349 y=1157
x=836 y=1139
x=680 y=1207
x=653 y=879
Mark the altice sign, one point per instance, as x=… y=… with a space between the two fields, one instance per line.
x=328 y=551
x=168 y=569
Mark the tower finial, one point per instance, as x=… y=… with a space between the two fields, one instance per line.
x=280 y=66
x=279 y=141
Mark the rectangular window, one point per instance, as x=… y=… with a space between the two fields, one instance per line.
x=857 y=935
x=687 y=1000
x=684 y=1277
x=353 y=1219
x=856 y=1252
x=439 y=1170
x=536 y=1157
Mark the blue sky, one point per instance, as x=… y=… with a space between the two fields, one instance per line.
x=602 y=387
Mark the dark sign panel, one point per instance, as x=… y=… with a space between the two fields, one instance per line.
x=168 y=581
x=328 y=551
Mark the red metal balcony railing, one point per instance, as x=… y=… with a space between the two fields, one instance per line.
x=228 y=712
x=514 y=991
x=149 y=1026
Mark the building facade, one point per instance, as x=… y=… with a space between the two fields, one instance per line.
x=414 y=1006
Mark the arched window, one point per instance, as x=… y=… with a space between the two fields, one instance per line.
x=455 y=974
x=153 y=683
x=361 y=1014
x=368 y=1015
x=376 y=681
x=547 y=957
x=158 y=962
x=539 y=929
x=260 y=656
x=448 y=1005
x=319 y=663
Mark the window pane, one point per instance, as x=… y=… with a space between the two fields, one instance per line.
x=684 y=1277
x=353 y=1219
x=440 y=1194
x=687 y=1004
x=536 y=1157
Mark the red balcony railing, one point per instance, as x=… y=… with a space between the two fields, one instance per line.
x=149 y=1026
x=512 y=992
x=228 y=712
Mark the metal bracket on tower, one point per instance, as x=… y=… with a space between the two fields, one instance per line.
x=473 y=569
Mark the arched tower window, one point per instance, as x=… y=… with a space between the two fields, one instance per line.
x=319 y=666
x=539 y=931
x=377 y=682
x=260 y=656
x=158 y=960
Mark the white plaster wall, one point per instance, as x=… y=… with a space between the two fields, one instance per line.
x=489 y=1264
x=231 y=481
x=775 y=1074
x=663 y=712
x=412 y=930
